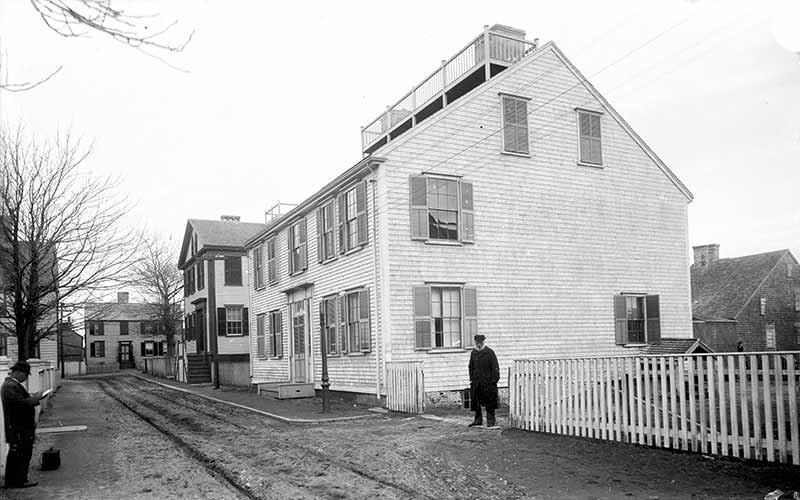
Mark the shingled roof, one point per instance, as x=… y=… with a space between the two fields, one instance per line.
x=721 y=288
x=121 y=311
x=219 y=234
x=677 y=346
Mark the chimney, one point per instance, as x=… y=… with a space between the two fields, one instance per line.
x=122 y=297
x=230 y=218
x=705 y=254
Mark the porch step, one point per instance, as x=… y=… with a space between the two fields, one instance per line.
x=198 y=370
x=286 y=390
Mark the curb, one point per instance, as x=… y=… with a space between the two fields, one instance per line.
x=255 y=410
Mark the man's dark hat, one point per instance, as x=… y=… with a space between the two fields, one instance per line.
x=479 y=338
x=22 y=366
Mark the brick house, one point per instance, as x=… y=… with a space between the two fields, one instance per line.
x=117 y=333
x=504 y=196
x=216 y=299
x=753 y=299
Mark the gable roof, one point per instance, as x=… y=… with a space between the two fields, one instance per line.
x=218 y=234
x=721 y=288
x=677 y=346
x=582 y=80
x=121 y=311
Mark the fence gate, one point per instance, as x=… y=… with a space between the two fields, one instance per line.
x=405 y=387
x=743 y=405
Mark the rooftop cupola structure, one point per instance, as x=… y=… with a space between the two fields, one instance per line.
x=487 y=55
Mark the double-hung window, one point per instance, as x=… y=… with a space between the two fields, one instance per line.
x=148 y=348
x=275 y=335
x=272 y=261
x=590 y=137
x=298 y=261
x=96 y=328
x=233 y=320
x=258 y=267
x=261 y=327
x=328 y=322
x=201 y=275
x=353 y=218
x=123 y=328
x=515 y=124
x=445 y=317
x=637 y=319
x=326 y=230
x=98 y=349
x=441 y=209
x=353 y=322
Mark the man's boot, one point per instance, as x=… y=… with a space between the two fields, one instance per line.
x=478 y=418
x=490 y=422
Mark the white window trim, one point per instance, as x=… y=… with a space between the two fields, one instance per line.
x=580 y=162
x=241 y=321
x=503 y=149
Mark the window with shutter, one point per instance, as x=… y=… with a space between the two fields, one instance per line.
x=470 y=316
x=297 y=247
x=445 y=317
x=201 y=275
x=233 y=271
x=234 y=320
x=515 y=124
x=422 y=317
x=272 y=261
x=590 y=137
x=326 y=241
x=275 y=343
x=637 y=319
x=441 y=209
x=258 y=268
x=329 y=321
x=261 y=348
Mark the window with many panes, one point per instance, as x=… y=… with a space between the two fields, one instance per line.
x=233 y=271
x=353 y=218
x=327 y=311
x=261 y=327
x=298 y=256
x=326 y=231
x=233 y=320
x=258 y=267
x=637 y=319
x=515 y=124
x=590 y=137
x=96 y=328
x=97 y=349
x=445 y=317
x=272 y=261
x=275 y=337
x=441 y=209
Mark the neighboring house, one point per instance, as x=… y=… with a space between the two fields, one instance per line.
x=119 y=332
x=753 y=299
x=71 y=343
x=517 y=204
x=216 y=300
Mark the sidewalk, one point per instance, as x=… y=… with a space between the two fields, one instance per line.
x=301 y=410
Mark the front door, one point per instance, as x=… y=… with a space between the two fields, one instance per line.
x=300 y=341
x=125 y=355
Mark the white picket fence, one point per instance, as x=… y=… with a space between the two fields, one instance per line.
x=405 y=387
x=739 y=404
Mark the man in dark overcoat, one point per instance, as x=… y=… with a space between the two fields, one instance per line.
x=484 y=373
x=19 y=413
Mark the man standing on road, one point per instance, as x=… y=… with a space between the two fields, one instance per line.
x=484 y=373
x=20 y=425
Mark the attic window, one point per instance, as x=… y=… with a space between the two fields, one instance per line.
x=515 y=124
x=590 y=140
x=763 y=306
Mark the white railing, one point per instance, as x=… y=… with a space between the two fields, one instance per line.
x=486 y=48
x=405 y=387
x=742 y=405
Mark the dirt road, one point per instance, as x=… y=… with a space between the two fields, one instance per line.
x=178 y=445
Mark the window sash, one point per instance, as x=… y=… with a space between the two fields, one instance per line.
x=233 y=320
x=590 y=141
x=637 y=319
x=233 y=271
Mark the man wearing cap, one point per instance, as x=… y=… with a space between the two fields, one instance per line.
x=20 y=421
x=484 y=373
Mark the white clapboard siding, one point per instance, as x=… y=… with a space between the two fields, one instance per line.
x=707 y=402
x=405 y=387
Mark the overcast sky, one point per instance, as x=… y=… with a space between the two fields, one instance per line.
x=269 y=104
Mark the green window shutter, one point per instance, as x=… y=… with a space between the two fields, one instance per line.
x=652 y=310
x=361 y=213
x=522 y=126
x=290 y=244
x=422 y=317
x=467 y=232
x=222 y=325
x=343 y=334
x=620 y=320
x=470 y=315
x=303 y=245
x=509 y=124
x=279 y=336
x=245 y=322
x=320 y=235
x=418 y=194
x=342 y=219
x=363 y=320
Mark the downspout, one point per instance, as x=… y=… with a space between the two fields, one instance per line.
x=378 y=336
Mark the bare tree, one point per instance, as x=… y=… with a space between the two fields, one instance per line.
x=158 y=280
x=60 y=235
x=75 y=18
